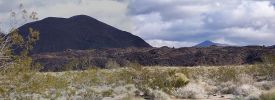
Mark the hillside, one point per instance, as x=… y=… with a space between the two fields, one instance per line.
x=80 y=33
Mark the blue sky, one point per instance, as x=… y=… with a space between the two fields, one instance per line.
x=174 y=23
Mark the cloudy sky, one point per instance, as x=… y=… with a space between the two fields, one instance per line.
x=174 y=23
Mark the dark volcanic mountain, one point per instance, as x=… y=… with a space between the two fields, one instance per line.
x=208 y=43
x=79 y=32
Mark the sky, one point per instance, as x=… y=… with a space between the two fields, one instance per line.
x=173 y=23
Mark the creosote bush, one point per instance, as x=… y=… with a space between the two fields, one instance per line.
x=268 y=96
x=17 y=68
x=107 y=93
x=191 y=91
x=111 y=64
x=145 y=78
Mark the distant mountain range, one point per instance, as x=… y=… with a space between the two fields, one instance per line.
x=80 y=33
x=208 y=43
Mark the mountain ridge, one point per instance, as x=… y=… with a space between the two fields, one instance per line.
x=209 y=43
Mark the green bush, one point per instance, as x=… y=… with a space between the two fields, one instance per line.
x=145 y=78
x=180 y=80
x=225 y=74
x=269 y=67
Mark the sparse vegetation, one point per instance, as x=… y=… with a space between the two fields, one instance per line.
x=268 y=96
x=21 y=79
x=112 y=64
x=194 y=83
x=191 y=91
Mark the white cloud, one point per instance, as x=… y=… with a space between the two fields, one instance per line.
x=240 y=22
x=149 y=25
x=222 y=40
x=112 y=12
x=176 y=44
x=169 y=22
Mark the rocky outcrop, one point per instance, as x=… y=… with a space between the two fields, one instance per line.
x=188 y=56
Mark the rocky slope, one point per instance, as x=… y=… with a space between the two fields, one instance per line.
x=192 y=56
x=79 y=33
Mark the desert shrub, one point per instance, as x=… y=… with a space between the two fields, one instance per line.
x=126 y=75
x=76 y=64
x=135 y=66
x=129 y=89
x=160 y=95
x=217 y=74
x=246 y=90
x=243 y=78
x=264 y=70
x=193 y=73
x=32 y=83
x=145 y=78
x=86 y=78
x=2 y=90
x=39 y=83
x=253 y=96
x=107 y=93
x=15 y=49
x=186 y=71
x=190 y=91
x=268 y=96
x=111 y=64
x=224 y=74
x=180 y=80
x=265 y=85
x=91 y=95
x=129 y=97
x=162 y=80
x=268 y=67
x=227 y=87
